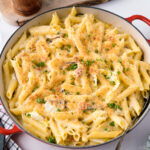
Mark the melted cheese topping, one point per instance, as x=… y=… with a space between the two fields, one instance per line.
x=78 y=81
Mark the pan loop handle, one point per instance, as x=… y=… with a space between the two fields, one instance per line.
x=140 y=17
x=14 y=130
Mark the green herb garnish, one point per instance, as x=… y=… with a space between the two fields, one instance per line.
x=93 y=103
x=58 y=110
x=127 y=69
x=114 y=106
x=112 y=123
x=69 y=46
x=84 y=111
x=53 y=90
x=77 y=93
x=99 y=59
x=28 y=115
x=64 y=72
x=66 y=92
x=36 y=88
x=112 y=82
x=33 y=66
x=118 y=72
x=118 y=107
x=111 y=105
x=40 y=64
x=119 y=60
x=111 y=67
x=45 y=71
x=107 y=77
x=88 y=62
x=113 y=45
x=40 y=101
x=65 y=35
x=72 y=66
x=51 y=140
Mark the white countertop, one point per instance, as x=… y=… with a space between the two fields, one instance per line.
x=136 y=139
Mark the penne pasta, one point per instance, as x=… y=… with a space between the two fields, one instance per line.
x=76 y=80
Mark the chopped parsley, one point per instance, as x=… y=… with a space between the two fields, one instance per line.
x=66 y=92
x=107 y=77
x=107 y=49
x=72 y=66
x=93 y=103
x=111 y=67
x=65 y=35
x=113 y=45
x=33 y=66
x=127 y=69
x=118 y=107
x=36 y=88
x=88 y=75
x=112 y=82
x=45 y=71
x=28 y=115
x=111 y=105
x=112 y=123
x=119 y=60
x=105 y=61
x=40 y=101
x=88 y=62
x=33 y=61
x=64 y=72
x=105 y=129
x=114 y=106
x=58 y=110
x=84 y=111
x=89 y=35
x=72 y=113
x=73 y=78
x=99 y=59
x=51 y=140
x=40 y=64
x=53 y=90
x=82 y=60
x=69 y=46
x=77 y=93
x=118 y=72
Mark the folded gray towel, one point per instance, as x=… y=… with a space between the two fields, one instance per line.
x=1 y=138
x=6 y=142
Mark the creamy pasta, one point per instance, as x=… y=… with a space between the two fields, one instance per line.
x=77 y=81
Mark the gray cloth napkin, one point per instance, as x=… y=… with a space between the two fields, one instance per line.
x=1 y=138
x=6 y=142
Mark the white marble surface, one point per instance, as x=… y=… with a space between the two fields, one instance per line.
x=136 y=139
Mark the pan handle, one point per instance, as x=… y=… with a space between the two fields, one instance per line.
x=140 y=17
x=14 y=130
